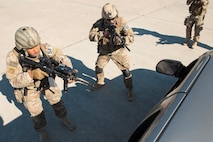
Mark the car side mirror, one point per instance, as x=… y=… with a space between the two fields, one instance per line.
x=170 y=67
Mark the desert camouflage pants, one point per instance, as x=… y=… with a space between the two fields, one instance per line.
x=33 y=103
x=119 y=57
x=197 y=22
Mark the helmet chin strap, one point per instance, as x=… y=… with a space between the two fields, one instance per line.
x=25 y=52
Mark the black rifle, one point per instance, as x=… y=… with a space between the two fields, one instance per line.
x=52 y=68
x=113 y=33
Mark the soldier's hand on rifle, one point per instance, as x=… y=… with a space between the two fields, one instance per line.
x=37 y=74
x=71 y=81
x=119 y=40
x=74 y=76
x=106 y=33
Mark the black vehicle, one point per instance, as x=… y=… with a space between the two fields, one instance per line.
x=185 y=114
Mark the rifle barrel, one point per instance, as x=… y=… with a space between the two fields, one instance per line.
x=83 y=81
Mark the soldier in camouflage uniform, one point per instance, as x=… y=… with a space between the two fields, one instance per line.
x=112 y=45
x=27 y=82
x=197 y=9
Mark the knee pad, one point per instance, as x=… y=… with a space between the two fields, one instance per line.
x=39 y=121
x=98 y=70
x=126 y=73
x=60 y=110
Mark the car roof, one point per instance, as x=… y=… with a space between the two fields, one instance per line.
x=186 y=113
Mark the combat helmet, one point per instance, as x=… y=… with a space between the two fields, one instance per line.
x=26 y=38
x=109 y=11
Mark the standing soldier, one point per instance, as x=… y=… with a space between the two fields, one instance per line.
x=29 y=83
x=112 y=35
x=197 y=9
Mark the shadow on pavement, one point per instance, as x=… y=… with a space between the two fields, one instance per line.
x=103 y=115
x=166 y=39
x=20 y=128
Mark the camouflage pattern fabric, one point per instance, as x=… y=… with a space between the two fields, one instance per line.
x=197 y=10
x=25 y=88
x=117 y=53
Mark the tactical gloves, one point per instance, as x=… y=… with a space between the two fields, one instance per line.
x=117 y=40
x=74 y=76
x=106 y=34
x=37 y=74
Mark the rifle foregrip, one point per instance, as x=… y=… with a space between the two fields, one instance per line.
x=65 y=85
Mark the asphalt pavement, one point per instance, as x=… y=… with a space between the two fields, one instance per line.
x=104 y=115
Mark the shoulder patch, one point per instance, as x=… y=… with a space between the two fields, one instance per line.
x=126 y=27
x=11 y=70
x=13 y=64
x=49 y=50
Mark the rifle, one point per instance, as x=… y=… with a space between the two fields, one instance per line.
x=113 y=33
x=53 y=68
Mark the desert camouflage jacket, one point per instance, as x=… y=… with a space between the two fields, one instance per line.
x=198 y=7
x=21 y=79
x=121 y=29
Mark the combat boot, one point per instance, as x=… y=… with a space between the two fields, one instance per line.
x=96 y=87
x=43 y=137
x=130 y=95
x=100 y=80
x=187 y=42
x=39 y=122
x=194 y=44
x=61 y=113
x=67 y=123
x=129 y=86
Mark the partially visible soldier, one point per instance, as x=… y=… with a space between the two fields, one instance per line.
x=28 y=83
x=113 y=35
x=197 y=10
